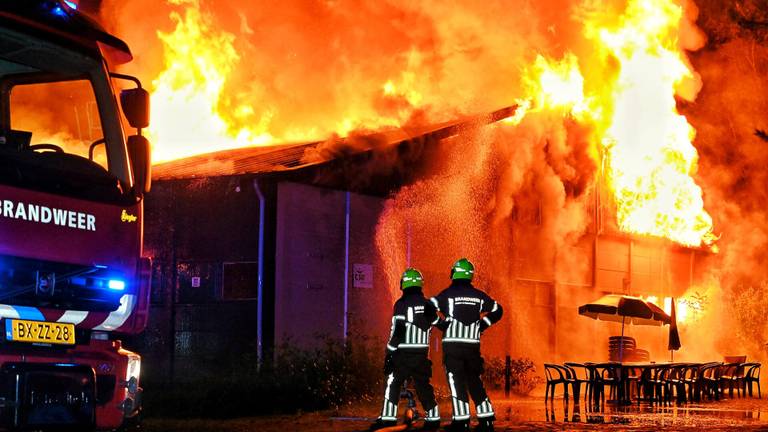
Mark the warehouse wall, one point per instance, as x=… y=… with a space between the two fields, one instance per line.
x=310 y=266
x=203 y=237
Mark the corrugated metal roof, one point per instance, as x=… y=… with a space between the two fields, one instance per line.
x=255 y=160
x=232 y=162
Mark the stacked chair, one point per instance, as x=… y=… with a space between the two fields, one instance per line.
x=621 y=347
x=624 y=348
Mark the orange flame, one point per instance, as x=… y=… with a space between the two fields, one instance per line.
x=636 y=69
x=187 y=93
x=193 y=114
x=649 y=158
x=649 y=152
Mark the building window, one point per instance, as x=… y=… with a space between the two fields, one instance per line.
x=197 y=282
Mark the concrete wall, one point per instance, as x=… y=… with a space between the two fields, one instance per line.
x=310 y=266
x=203 y=237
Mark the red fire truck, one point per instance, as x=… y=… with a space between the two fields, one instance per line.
x=72 y=275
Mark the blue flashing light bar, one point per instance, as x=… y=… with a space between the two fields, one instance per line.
x=71 y=4
x=59 y=11
x=116 y=284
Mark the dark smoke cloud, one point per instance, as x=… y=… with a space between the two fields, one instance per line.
x=731 y=107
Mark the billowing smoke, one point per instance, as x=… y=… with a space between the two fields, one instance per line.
x=543 y=169
x=502 y=196
x=729 y=115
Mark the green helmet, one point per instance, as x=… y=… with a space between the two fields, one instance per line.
x=462 y=269
x=411 y=278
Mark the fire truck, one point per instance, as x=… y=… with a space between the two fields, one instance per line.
x=73 y=280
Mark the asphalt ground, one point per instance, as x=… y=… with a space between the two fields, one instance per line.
x=518 y=414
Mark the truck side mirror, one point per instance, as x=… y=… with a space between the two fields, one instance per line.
x=135 y=103
x=141 y=163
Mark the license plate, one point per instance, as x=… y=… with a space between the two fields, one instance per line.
x=39 y=332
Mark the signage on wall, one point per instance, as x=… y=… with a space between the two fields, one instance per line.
x=362 y=275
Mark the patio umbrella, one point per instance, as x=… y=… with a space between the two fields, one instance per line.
x=674 y=336
x=626 y=310
x=659 y=316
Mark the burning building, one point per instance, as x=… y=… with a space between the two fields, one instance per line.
x=258 y=245
x=630 y=166
x=297 y=244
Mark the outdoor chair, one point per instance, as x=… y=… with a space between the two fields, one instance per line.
x=690 y=378
x=633 y=377
x=710 y=380
x=732 y=376
x=675 y=383
x=644 y=387
x=607 y=375
x=555 y=375
x=704 y=383
x=751 y=376
x=592 y=388
x=645 y=384
x=580 y=374
x=658 y=384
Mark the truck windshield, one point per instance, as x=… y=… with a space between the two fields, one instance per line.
x=52 y=117
x=61 y=117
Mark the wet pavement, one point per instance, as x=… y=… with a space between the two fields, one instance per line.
x=519 y=414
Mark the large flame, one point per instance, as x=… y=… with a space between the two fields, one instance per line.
x=649 y=158
x=636 y=68
x=187 y=94
x=649 y=152
x=196 y=109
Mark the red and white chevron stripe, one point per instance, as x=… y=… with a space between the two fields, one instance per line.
x=105 y=321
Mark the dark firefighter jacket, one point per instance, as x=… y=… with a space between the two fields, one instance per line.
x=412 y=320
x=467 y=310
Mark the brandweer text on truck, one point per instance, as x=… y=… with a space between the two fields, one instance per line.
x=72 y=275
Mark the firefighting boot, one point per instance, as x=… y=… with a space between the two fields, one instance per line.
x=458 y=426
x=485 y=425
x=381 y=424
x=431 y=425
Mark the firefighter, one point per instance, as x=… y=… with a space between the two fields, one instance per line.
x=407 y=352
x=467 y=312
